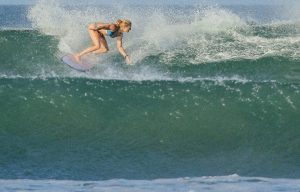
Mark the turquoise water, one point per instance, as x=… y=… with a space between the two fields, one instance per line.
x=219 y=97
x=90 y=129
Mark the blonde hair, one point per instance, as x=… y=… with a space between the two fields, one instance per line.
x=123 y=22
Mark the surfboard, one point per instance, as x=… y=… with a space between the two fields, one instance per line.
x=83 y=66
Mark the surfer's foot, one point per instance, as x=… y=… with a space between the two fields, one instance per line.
x=77 y=58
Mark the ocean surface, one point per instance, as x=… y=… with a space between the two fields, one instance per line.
x=212 y=102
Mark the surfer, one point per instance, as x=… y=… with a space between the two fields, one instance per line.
x=98 y=31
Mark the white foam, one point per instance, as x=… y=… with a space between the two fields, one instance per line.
x=138 y=77
x=231 y=183
x=209 y=34
x=204 y=31
x=16 y=29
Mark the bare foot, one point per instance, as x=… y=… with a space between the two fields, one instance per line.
x=77 y=58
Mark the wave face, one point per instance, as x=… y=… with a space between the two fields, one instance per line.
x=211 y=93
x=90 y=129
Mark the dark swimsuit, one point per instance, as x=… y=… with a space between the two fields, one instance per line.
x=109 y=32
x=112 y=34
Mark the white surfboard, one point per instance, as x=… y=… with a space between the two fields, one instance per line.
x=83 y=65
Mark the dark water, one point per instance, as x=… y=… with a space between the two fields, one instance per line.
x=226 y=102
x=91 y=129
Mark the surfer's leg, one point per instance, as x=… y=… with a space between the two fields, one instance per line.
x=103 y=45
x=95 y=36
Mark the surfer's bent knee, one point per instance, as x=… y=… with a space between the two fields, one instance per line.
x=96 y=47
x=105 y=50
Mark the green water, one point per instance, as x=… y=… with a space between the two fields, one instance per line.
x=89 y=129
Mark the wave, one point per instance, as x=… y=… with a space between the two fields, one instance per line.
x=210 y=94
x=194 y=42
x=206 y=184
x=202 y=35
x=200 y=42
x=144 y=129
x=30 y=53
x=163 y=43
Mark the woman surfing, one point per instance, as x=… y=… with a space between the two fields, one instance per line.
x=98 y=31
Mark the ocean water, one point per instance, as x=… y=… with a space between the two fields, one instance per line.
x=211 y=104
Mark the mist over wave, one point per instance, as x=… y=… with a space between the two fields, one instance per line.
x=164 y=39
x=202 y=34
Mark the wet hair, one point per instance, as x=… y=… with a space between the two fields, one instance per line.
x=123 y=22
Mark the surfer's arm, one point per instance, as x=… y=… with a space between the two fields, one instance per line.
x=99 y=26
x=122 y=50
x=120 y=46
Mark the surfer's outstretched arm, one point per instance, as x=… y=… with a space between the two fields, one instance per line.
x=122 y=50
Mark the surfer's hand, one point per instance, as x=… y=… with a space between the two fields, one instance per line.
x=128 y=60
